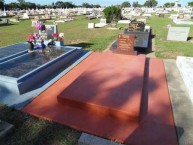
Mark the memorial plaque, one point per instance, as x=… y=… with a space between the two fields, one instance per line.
x=142 y=38
x=178 y=33
x=136 y=26
x=51 y=29
x=126 y=44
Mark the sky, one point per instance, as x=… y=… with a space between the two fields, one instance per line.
x=100 y=2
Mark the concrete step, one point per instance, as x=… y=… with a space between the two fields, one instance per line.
x=111 y=86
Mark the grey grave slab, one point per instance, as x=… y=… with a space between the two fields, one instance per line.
x=181 y=104
x=11 y=50
x=87 y=139
x=26 y=63
x=178 y=33
x=5 y=128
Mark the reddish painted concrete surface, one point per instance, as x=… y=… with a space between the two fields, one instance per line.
x=112 y=86
x=156 y=125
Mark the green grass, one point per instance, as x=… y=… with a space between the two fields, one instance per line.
x=169 y=49
x=76 y=33
x=29 y=130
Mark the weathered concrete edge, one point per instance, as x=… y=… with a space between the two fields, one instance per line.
x=88 y=139
x=181 y=103
x=8 y=128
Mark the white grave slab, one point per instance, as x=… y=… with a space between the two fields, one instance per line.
x=103 y=22
x=178 y=33
x=183 y=22
x=91 y=25
x=185 y=66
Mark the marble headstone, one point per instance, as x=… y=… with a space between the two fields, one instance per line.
x=178 y=33
x=185 y=66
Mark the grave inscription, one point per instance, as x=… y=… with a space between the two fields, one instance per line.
x=126 y=44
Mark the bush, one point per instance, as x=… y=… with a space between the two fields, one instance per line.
x=112 y=14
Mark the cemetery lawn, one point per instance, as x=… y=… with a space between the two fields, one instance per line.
x=29 y=130
x=33 y=131
x=76 y=33
x=169 y=49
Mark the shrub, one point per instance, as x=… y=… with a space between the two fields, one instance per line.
x=112 y=14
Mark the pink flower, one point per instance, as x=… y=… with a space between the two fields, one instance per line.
x=30 y=38
x=55 y=34
x=38 y=26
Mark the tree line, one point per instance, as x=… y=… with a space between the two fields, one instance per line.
x=21 y=4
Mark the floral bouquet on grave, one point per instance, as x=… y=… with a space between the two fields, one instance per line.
x=36 y=35
x=40 y=26
x=57 y=37
x=30 y=38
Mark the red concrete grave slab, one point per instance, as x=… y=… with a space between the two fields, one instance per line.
x=111 y=86
x=155 y=128
x=157 y=125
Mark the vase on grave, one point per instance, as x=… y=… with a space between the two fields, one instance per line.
x=30 y=46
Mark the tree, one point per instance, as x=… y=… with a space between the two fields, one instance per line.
x=30 y=5
x=59 y=4
x=68 y=5
x=150 y=3
x=1 y=4
x=86 y=5
x=21 y=1
x=96 y=6
x=168 y=4
x=125 y=4
x=13 y=5
x=136 y=4
x=190 y=4
x=112 y=13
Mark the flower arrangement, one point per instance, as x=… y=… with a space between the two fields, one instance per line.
x=40 y=26
x=57 y=37
x=36 y=35
x=30 y=38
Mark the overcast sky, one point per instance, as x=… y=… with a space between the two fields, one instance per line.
x=101 y=2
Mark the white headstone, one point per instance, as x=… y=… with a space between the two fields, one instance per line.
x=178 y=33
x=91 y=25
x=185 y=66
x=25 y=16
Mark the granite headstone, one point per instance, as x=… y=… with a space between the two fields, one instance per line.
x=51 y=29
x=136 y=26
x=125 y=44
